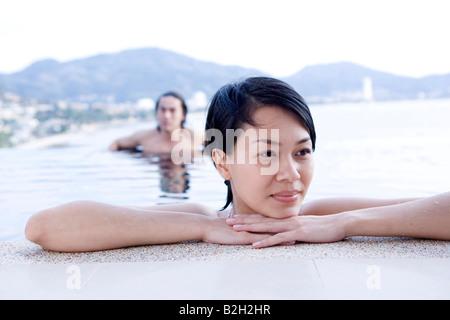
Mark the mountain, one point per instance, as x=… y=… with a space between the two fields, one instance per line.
x=125 y=76
x=134 y=74
x=343 y=81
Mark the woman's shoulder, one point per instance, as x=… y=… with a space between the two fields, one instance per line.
x=198 y=208
x=184 y=207
x=226 y=214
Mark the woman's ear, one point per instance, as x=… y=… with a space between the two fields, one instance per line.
x=219 y=157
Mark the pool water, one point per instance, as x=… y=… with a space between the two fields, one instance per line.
x=390 y=149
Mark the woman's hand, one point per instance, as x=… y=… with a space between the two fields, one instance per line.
x=217 y=230
x=299 y=228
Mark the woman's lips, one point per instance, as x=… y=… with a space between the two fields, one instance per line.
x=286 y=197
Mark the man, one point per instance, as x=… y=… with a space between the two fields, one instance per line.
x=171 y=113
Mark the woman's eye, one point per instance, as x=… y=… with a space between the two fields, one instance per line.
x=304 y=152
x=267 y=154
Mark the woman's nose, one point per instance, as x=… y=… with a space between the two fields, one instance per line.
x=288 y=170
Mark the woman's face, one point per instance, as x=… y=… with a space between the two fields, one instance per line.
x=272 y=165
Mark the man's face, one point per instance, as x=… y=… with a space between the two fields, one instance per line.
x=170 y=113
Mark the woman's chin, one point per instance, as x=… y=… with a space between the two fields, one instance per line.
x=284 y=213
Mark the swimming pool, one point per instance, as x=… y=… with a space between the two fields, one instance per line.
x=389 y=149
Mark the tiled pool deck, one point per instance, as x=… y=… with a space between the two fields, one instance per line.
x=357 y=268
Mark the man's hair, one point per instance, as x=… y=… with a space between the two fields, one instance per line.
x=177 y=96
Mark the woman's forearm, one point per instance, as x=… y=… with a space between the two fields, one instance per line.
x=90 y=226
x=337 y=205
x=424 y=218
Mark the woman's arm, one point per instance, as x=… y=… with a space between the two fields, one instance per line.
x=424 y=218
x=90 y=226
x=338 y=205
x=427 y=218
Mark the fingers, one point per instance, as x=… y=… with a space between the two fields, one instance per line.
x=247 y=218
x=286 y=238
x=261 y=227
x=272 y=231
x=247 y=238
x=258 y=223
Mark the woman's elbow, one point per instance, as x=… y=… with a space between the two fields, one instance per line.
x=61 y=228
x=47 y=228
x=36 y=229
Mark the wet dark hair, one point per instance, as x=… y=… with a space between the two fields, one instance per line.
x=233 y=105
x=177 y=96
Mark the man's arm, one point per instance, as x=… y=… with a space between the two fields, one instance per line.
x=127 y=142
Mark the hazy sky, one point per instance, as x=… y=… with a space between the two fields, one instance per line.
x=406 y=37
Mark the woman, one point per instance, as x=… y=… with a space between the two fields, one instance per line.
x=261 y=138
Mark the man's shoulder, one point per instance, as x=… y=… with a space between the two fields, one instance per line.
x=147 y=133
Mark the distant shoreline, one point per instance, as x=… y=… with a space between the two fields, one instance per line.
x=65 y=138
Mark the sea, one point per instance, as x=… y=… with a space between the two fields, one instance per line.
x=390 y=149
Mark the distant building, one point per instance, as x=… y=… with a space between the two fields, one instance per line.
x=145 y=104
x=367 y=89
x=198 y=101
